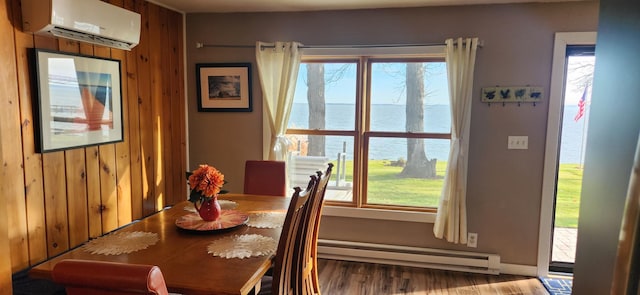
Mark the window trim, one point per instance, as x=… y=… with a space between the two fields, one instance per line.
x=364 y=58
x=380 y=214
x=427 y=51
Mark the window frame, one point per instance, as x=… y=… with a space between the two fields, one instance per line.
x=361 y=133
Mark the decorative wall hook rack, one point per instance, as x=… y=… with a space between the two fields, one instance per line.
x=512 y=94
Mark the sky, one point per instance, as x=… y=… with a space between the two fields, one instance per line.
x=62 y=66
x=388 y=84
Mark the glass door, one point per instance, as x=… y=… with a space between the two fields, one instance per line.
x=580 y=61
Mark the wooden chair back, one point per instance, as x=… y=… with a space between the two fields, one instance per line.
x=265 y=178
x=286 y=262
x=307 y=277
x=85 y=277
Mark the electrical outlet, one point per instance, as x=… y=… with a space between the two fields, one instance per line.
x=472 y=240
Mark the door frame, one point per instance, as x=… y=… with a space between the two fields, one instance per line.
x=556 y=93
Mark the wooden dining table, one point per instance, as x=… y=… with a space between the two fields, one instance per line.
x=182 y=255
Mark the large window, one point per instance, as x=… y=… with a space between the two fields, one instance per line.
x=385 y=124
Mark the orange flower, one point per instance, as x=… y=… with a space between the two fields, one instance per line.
x=207 y=180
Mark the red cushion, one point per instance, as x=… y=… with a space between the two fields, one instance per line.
x=100 y=277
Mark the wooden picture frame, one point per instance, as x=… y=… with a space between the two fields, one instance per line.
x=79 y=101
x=224 y=87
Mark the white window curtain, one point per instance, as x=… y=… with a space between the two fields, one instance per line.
x=451 y=219
x=278 y=65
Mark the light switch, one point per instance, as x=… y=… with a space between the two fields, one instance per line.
x=518 y=142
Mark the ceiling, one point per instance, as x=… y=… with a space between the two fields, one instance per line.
x=308 y=5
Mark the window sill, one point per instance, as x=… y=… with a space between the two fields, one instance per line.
x=379 y=214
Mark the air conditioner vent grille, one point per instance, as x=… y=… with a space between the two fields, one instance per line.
x=73 y=35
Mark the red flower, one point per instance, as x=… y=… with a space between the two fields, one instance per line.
x=207 y=180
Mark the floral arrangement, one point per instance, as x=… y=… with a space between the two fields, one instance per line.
x=206 y=182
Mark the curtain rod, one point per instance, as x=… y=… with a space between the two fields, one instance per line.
x=202 y=45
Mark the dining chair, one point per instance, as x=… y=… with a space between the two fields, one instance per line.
x=265 y=178
x=287 y=258
x=308 y=281
x=88 y=277
x=295 y=264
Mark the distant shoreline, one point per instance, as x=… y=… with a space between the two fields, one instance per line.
x=390 y=117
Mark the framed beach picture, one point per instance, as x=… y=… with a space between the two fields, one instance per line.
x=224 y=87
x=79 y=101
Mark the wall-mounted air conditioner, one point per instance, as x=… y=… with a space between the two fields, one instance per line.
x=91 y=21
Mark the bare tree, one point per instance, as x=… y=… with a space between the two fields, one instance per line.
x=417 y=165
x=584 y=68
x=315 y=97
x=317 y=81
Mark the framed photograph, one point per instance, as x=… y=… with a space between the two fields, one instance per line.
x=224 y=87
x=79 y=101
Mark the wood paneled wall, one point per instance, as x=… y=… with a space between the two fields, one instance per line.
x=5 y=264
x=56 y=201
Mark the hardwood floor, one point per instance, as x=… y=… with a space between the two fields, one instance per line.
x=354 y=278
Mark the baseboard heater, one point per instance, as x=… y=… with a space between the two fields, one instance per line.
x=409 y=256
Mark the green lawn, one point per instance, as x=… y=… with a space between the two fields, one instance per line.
x=386 y=188
x=568 y=195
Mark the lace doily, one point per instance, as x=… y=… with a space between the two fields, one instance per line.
x=243 y=246
x=224 y=205
x=121 y=242
x=266 y=219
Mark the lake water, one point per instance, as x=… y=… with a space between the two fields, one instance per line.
x=572 y=136
x=437 y=119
